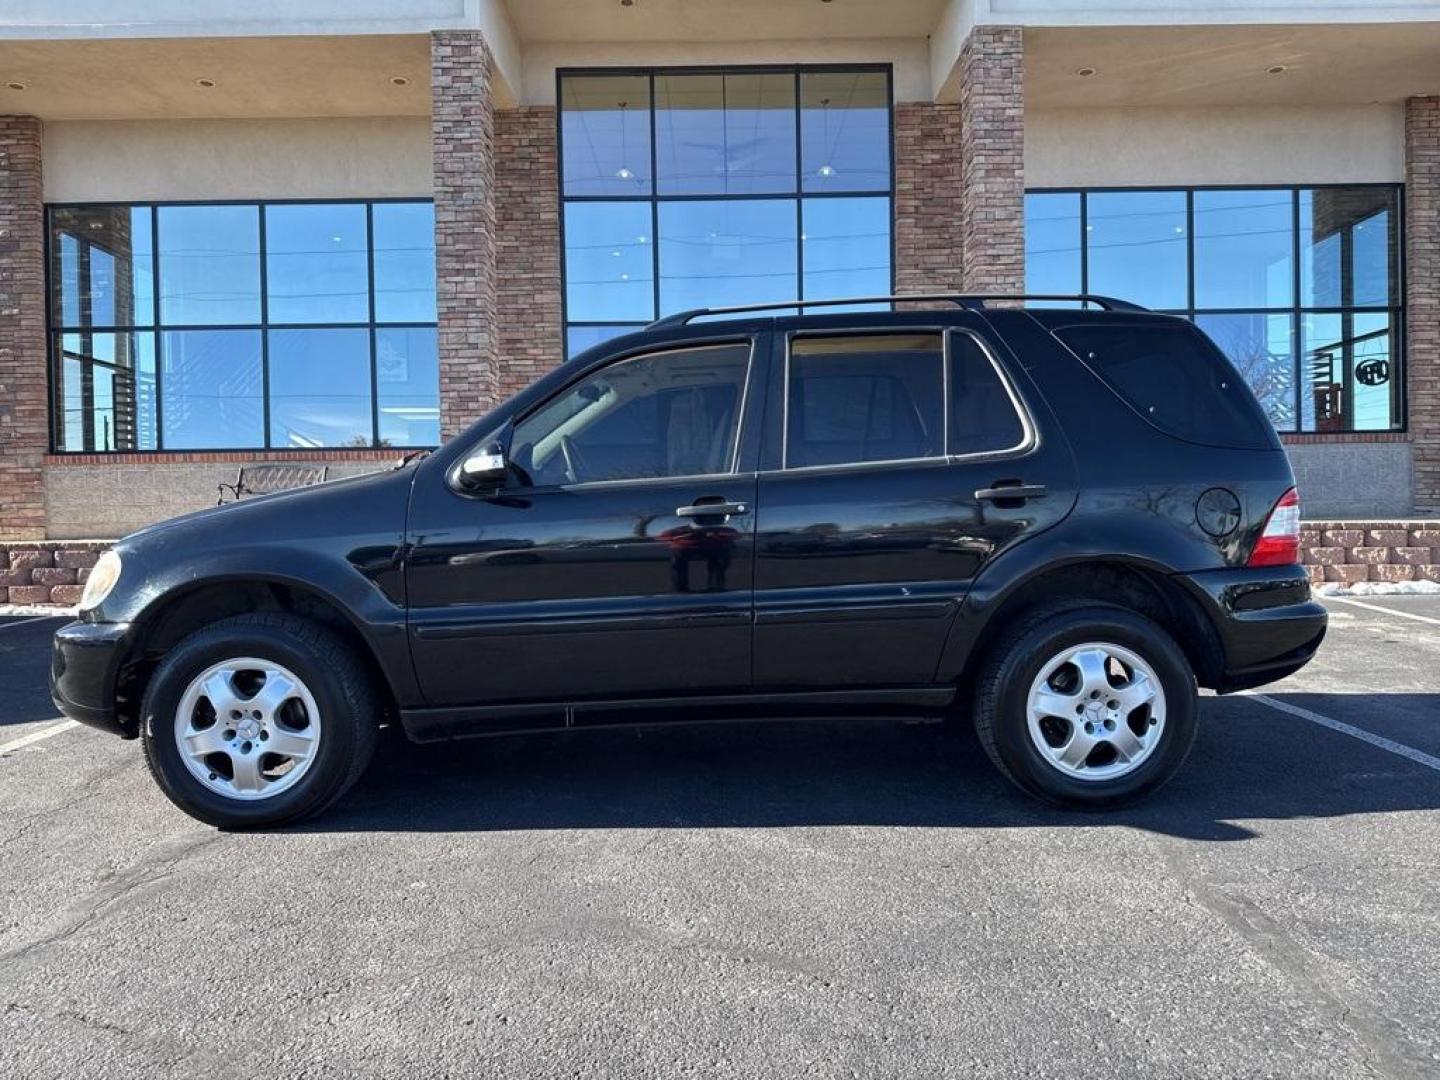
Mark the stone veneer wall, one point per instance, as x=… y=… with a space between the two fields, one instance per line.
x=527 y=241
x=992 y=140
x=462 y=139
x=928 y=196
x=24 y=426
x=1422 y=292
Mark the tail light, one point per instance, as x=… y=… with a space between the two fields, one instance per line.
x=1279 y=543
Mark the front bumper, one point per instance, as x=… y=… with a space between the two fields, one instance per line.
x=1267 y=624
x=84 y=669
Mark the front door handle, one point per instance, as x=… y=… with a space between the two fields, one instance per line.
x=1005 y=492
x=712 y=509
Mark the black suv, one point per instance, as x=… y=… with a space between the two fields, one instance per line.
x=1059 y=520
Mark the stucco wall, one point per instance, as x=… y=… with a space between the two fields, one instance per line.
x=1354 y=480
x=1262 y=145
x=237 y=159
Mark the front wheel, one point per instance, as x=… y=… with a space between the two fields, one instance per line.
x=1090 y=706
x=258 y=720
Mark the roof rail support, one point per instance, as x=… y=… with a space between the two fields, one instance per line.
x=969 y=301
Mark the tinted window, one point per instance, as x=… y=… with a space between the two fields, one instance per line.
x=1175 y=378
x=864 y=398
x=317 y=263
x=670 y=414
x=982 y=416
x=209 y=264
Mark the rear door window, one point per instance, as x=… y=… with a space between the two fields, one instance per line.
x=864 y=398
x=1175 y=378
x=983 y=418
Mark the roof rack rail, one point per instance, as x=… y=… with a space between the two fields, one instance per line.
x=969 y=301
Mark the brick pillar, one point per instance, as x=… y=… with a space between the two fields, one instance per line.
x=462 y=143
x=527 y=240
x=24 y=428
x=992 y=137
x=927 y=197
x=1422 y=293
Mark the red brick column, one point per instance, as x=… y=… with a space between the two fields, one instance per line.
x=527 y=240
x=928 y=181
x=1422 y=292
x=462 y=142
x=992 y=131
x=24 y=428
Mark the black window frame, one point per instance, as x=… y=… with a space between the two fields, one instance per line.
x=55 y=330
x=1296 y=310
x=653 y=198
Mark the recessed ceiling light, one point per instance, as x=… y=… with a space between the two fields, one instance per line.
x=1085 y=72
x=1276 y=69
x=15 y=86
x=205 y=84
x=627 y=3
x=399 y=80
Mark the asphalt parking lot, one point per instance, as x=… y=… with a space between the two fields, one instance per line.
x=809 y=900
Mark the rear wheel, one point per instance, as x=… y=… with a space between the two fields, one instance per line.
x=1087 y=706
x=259 y=720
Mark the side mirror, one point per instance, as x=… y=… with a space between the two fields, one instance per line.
x=484 y=468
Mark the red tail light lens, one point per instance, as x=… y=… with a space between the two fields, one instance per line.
x=1279 y=544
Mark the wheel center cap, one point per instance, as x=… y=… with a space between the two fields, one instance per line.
x=248 y=728
x=1094 y=712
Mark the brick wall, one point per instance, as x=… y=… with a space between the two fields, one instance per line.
x=1422 y=292
x=992 y=132
x=928 y=194
x=527 y=241
x=45 y=573
x=462 y=130
x=24 y=427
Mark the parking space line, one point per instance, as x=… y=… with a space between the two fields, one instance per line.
x=1385 y=610
x=1417 y=756
x=36 y=736
x=28 y=621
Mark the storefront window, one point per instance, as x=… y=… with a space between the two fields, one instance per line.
x=279 y=325
x=1298 y=286
x=717 y=187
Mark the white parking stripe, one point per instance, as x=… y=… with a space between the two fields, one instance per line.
x=1417 y=756
x=36 y=736
x=26 y=622
x=1385 y=610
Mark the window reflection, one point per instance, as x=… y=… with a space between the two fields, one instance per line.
x=209 y=265
x=1348 y=373
x=317 y=263
x=1262 y=348
x=407 y=376
x=1052 y=243
x=725 y=134
x=721 y=253
x=1137 y=247
x=211 y=390
x=1243 y=249
x=608 y=262
x=319 y=388
x=846 y=243
x=605 y=128
x=404 y=241
x=102 y=265
x=105 y=399
x=1348 y=246
x=580 y=338
x=844 y=131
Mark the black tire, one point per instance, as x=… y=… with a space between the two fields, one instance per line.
x=1016 y=660
x=342 y=688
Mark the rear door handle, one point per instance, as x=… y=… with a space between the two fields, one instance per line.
x=715 y=509
x=1011 y=491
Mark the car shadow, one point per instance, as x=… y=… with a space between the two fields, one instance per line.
x=1249 y=763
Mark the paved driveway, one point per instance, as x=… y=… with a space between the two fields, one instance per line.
x=822 y=900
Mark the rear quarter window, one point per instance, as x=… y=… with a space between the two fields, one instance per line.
x=1176 y=379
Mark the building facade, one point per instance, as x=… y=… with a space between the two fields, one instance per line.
x=331 y=230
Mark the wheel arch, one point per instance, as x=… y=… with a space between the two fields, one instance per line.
x=1110 y=578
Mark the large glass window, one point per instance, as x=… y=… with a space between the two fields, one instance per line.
x=243 y=326
x=708 y=188
x=1299 y=287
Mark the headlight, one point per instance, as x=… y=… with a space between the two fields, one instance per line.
x=101 y=581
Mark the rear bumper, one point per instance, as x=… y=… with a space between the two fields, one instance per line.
x=1267 y=624
x=84 y=667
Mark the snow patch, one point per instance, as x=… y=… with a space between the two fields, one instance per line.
x=17 y=610
x=1379 y=588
